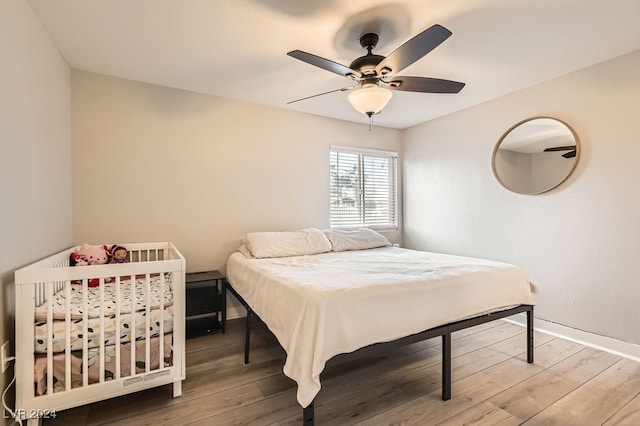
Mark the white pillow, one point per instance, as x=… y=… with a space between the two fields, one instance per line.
x=357 y=239
x=244 y=250
x=288 y=243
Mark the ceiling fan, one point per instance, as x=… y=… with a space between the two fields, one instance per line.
x=570 y=148
x=374 y=76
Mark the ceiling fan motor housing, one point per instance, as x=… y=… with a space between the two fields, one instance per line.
x=366 y=64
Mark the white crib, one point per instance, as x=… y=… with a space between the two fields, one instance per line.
x=54 y=307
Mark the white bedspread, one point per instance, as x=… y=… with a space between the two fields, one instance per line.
x=322 y=305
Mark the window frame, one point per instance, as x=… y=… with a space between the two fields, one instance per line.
x=392 y=194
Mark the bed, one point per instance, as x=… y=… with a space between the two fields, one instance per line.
x=327 y=294
x=77 y=344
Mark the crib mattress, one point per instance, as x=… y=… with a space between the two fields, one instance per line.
x=138 y=301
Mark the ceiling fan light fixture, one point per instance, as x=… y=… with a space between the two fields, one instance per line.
x=370 y=100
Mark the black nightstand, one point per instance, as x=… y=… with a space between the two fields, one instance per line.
x=206 y=302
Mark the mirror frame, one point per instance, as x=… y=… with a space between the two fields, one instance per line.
x=505 y=134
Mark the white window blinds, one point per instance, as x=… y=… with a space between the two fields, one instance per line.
x=363 y=188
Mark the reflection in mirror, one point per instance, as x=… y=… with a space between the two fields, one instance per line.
x=536 y=155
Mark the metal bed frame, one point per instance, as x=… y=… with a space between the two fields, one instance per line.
x=444 y=331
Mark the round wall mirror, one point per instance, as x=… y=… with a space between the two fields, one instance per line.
x=536 y=155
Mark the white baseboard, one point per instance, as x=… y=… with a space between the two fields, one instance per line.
x=607 y=344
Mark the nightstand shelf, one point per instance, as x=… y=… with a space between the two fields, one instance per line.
x=206 y=302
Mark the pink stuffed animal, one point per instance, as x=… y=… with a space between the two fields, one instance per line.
x=91 y=255
x=95 y=255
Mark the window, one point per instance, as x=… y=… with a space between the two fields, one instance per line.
x=363 y=187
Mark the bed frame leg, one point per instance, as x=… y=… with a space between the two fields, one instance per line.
x=307 y=415
x=247 y=335
x=530 y=336
x=446 y=366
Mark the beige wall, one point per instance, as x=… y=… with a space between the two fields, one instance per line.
x=152 y=164
x=578 y=243
x=35 y=152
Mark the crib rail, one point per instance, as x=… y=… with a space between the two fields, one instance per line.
x=145 y=253
x=154 y=334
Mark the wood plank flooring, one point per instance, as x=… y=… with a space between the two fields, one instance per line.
x=568 y=384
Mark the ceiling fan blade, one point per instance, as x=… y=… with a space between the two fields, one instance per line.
x=425 y=85
x=324 y=93
x=413 y=50
x=560 y=148
x=323 y=63
x=569 y=154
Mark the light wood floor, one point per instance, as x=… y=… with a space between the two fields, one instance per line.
x=568 y=384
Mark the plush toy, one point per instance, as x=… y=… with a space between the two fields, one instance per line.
x=118 y=254
x=76 y=259
x=90 y=255
x=95 y=255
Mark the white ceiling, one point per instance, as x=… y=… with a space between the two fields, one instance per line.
x=237 y=48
